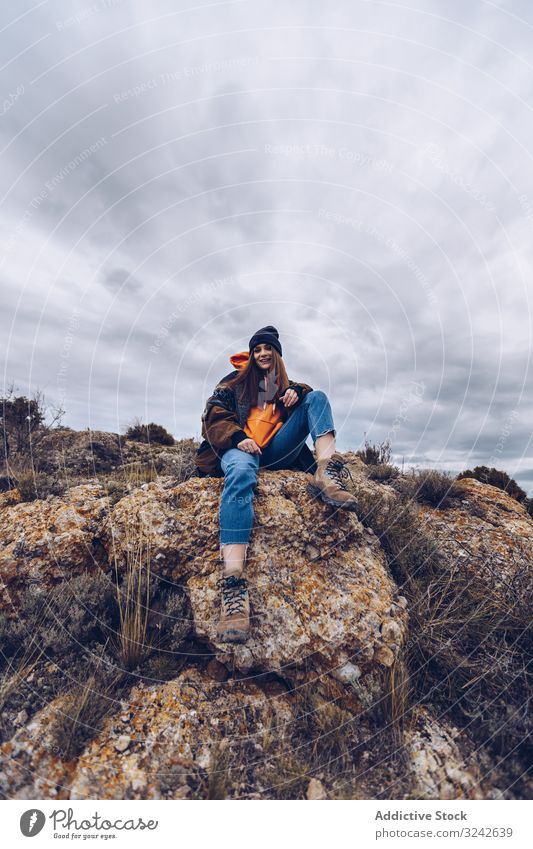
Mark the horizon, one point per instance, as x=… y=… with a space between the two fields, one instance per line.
x=396 y=460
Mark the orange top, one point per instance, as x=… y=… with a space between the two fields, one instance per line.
x=264 y=421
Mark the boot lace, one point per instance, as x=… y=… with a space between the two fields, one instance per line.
x=337 y=471
x=234 y=594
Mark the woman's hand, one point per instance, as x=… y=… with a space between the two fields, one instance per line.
x=250 y=446
x=290 y=398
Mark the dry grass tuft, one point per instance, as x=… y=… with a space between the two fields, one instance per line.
x=84 y=710
x=219 y=779
x=138 y=472
x=31 y=482
x=395 y=704
x=133 y=597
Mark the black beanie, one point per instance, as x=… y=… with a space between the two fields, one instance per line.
x=269 y=335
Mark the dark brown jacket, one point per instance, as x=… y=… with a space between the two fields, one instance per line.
x=223 y=420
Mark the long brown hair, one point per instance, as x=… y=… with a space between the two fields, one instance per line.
x=251 y=376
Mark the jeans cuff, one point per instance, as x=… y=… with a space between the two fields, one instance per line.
x=330 y=430
x=245 y=537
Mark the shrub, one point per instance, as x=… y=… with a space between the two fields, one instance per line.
x=170 y=623
x=375 y=455
x=102 y=455
x=80 y=618
x=171 y=618
x=74 y=613
x=384 y=472
x=149 y=433
x=38 y=485
x=495 y=477
x=428 y=486
x=84 y=612
x=23 y=421
x=19 y=669
x=115 y=489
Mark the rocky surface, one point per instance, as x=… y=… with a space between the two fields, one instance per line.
x=328 y=622
x=319 y=583
x=490 y=535
x=47 y=542
x=70 y=453
x=171 y=738
x=31 y=766
x=184 y=738
x=437 y=765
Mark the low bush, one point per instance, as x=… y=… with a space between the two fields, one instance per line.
x=383 y=473
x=74 y=613
x=116 y=488
x=7 y=482
x=375 y=455
x=170 y=618
x=84 y=611
x=428 y=486
x=101 y=455
x=83 y=619
x=149 y=433
x=495 y=477
x=18 y=669
x=38 y=485
x=24 y=423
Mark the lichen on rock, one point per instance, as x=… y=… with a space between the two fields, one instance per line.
x=312 y=706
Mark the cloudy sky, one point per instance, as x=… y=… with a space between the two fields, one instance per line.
x=175 y=175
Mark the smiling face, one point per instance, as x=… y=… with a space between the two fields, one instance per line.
x=263 y=356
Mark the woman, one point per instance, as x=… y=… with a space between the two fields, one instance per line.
x=257 y=417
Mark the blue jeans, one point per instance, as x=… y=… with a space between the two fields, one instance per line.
x=312 y=416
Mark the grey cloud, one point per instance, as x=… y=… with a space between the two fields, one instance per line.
x=359 y=219
x=120 y=281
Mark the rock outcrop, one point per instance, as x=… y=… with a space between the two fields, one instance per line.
x=490 y=535
x=47 y=542
x=319 y=584
x=326 y=653
x=437 y=765
x=184 y=738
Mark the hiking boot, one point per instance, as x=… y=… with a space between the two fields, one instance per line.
x=328 y=482
x=234 y=623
